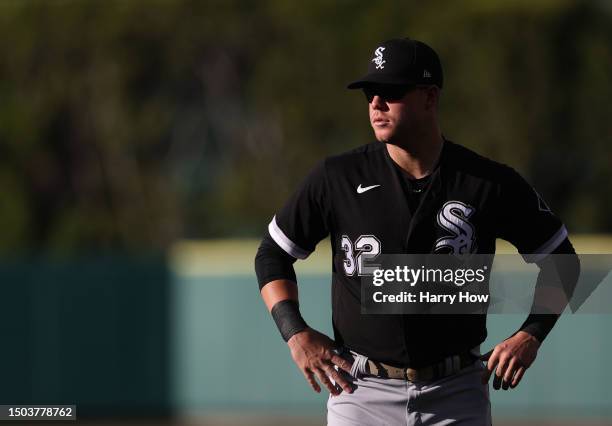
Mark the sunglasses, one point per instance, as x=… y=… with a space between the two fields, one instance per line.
x=389 y=92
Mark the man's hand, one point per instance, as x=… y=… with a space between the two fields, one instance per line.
x=511 y=357
x=313 y=352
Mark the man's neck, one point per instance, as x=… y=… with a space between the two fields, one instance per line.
x=419 y=158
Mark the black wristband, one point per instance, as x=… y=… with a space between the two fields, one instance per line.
x=288 y=319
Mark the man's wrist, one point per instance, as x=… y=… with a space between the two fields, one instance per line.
x=539 y=325
x=286 y=315
x=530 y=336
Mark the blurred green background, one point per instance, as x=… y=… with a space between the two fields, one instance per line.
x=129 y=127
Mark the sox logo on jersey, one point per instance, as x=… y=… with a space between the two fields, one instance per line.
x=453 y=217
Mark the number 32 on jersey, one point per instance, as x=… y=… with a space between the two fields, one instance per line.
x=365 y=249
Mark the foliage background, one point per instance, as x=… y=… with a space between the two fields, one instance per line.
x=125 y=125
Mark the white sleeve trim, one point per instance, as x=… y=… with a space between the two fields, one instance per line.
x=548 y=247
x=284 y=242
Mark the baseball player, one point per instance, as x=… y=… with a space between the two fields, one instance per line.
x=410 y=191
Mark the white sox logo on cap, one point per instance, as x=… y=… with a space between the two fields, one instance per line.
x=378 y=60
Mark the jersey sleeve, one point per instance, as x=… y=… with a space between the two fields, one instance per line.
x=526 y=221
x=304 y=220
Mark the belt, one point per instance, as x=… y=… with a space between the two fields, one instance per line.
x=446 y=367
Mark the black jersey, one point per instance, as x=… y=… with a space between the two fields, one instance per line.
x=360 y=200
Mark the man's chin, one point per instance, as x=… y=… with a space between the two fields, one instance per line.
x=383 y=136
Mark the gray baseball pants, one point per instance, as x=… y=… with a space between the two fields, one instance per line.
x=460 y=399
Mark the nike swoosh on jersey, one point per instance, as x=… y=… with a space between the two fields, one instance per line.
x=361 y=190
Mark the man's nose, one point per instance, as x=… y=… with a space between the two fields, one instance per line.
x=377 y=102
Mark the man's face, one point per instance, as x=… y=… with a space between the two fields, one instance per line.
x=398 y=112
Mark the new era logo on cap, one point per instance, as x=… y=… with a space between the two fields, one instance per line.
x=426 y=74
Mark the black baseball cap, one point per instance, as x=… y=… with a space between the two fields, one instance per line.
x=402 y=61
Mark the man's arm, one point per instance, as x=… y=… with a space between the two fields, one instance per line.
x=555 y=285
x=312 y=352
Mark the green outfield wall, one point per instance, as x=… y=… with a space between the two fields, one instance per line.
x=91 y=331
